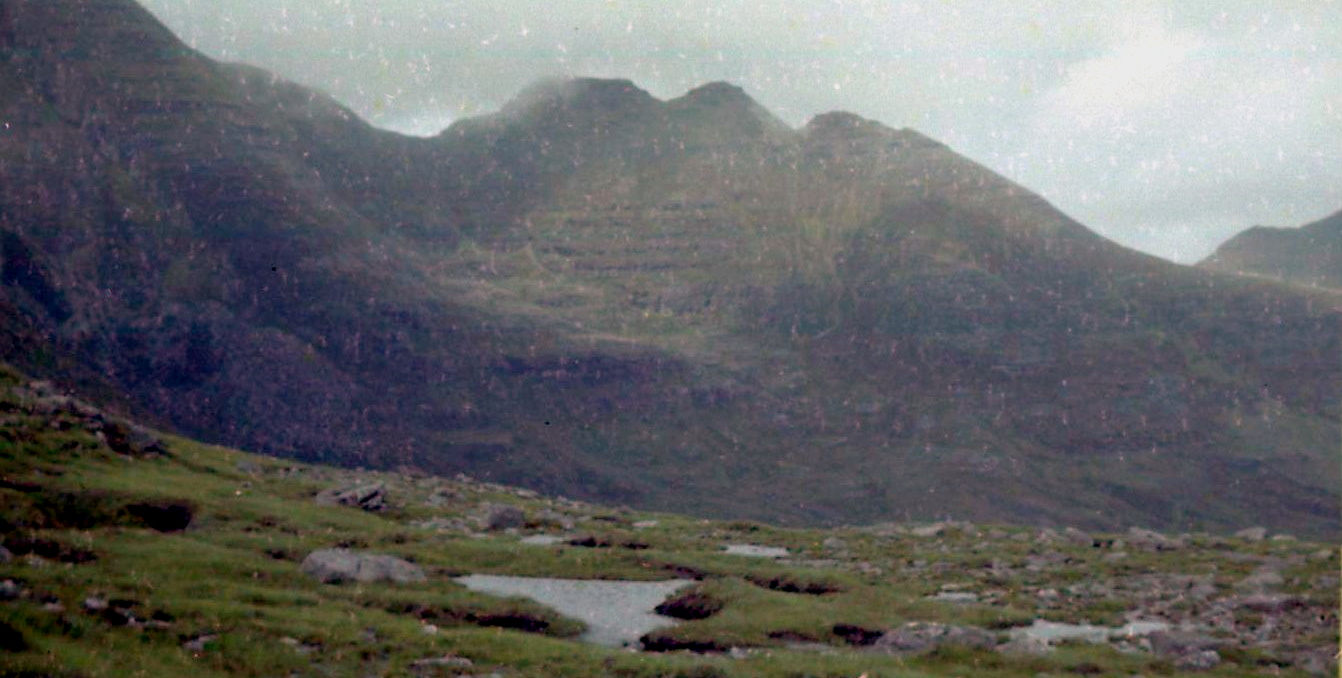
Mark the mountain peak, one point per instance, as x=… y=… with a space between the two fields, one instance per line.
x=718 y=93
x=86 y=31
x=608 y=96
x=727 y=107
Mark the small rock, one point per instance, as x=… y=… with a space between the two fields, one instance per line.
x=441 y=497
x=366 y=497
x=5 y=555
x=834 y=544
x=1252 y=534
x=94 y=604
x=866 y=568
x=10 y=590
x=432 y=666
x=1180 y=643
x=199 y=643
x=1038 y=563
x=933 y=530
x=429 y=630
x=1203 y=660
x=339 y=565
x=1025 y=646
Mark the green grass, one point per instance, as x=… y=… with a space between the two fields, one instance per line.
x=234 y=577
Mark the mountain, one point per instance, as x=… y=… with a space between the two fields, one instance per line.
x=1310 y=255
x=682 y=305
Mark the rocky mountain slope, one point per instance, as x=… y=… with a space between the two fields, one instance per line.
x=123 y=552
x=680 y=304
x=1310 y=255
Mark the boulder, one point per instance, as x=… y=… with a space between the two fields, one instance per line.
x=557 y=520
x=1253 y=534
x=1078 y=537
x=366 y=497
x=1030 y=646
x=333 y=566
x=933 y=530
x=1180 y=643
x=920 y=637
x=441 y=496
x=1149 y=540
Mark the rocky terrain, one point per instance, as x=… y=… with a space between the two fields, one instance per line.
x=679 y=305
x=125 y=552
x=1310 y=255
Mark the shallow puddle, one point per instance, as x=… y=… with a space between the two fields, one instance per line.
x=1052 y=632
x=542 y=540
x=617 y=613
x=755 y=551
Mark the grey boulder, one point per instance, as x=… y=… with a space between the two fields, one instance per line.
x=919 y=637
x=366 y=497
x=334 y=566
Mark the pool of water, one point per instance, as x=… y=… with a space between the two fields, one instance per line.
x=617 y=613
x=755 y=551
x=542 y=539
x=1052 y=632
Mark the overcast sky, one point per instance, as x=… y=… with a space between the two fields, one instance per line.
x=1167 y=126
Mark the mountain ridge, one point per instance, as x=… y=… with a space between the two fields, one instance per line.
x=798 y=325
x=1308 y=255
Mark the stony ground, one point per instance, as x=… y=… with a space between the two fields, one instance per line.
x=125 y=553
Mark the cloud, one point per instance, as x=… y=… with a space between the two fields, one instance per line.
x=1199 y=133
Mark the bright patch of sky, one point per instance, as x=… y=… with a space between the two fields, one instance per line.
x=1166 y=126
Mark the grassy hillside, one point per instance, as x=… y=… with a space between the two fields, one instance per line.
x=127 y=554
x=681 y=305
